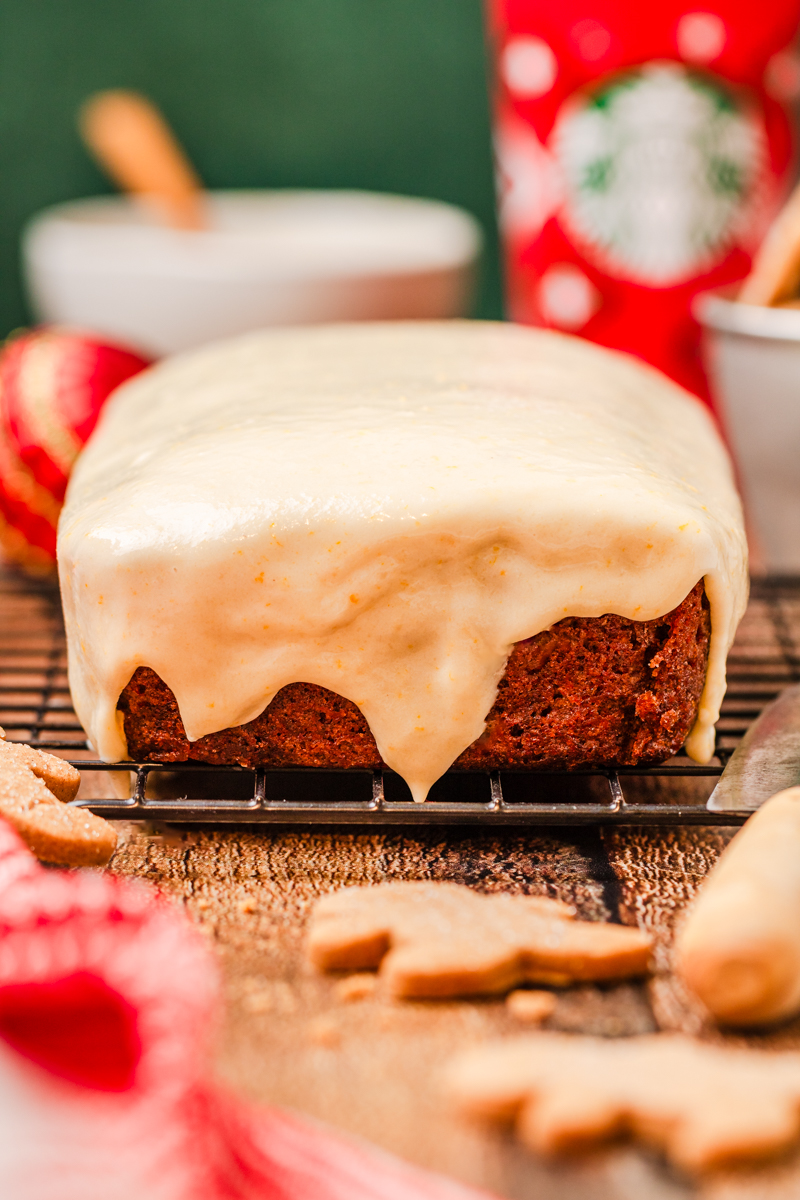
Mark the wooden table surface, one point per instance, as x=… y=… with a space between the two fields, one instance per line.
x=372 y=1067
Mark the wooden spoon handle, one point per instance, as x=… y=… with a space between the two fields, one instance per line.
x=775 y=274
x=134 y=145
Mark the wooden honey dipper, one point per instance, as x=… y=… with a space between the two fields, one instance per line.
x=133 y=144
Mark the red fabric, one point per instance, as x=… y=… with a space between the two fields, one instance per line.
x=107 y=1000
x=599 y=49
x=75 y=1027
x=53 y=385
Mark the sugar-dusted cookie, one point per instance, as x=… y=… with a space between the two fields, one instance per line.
x=704 y=1105
x=34 y=792
x=441 y=939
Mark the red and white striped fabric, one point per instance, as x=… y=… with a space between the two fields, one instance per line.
x=107 y=1001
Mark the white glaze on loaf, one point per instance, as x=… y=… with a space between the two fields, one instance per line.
x=384 y=510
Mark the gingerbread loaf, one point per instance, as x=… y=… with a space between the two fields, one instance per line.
x=417 y=544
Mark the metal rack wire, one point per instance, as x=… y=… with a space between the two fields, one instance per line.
x=35 y=707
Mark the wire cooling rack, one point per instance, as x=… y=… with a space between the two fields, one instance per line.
x=35 y=707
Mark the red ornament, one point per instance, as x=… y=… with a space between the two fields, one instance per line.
x=53 y=384
x=642 y=150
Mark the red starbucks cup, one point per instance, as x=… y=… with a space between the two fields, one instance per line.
x=641 y=152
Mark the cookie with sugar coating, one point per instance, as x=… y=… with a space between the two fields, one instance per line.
x=35 y=790
x=704 y=1106
x=437 y=939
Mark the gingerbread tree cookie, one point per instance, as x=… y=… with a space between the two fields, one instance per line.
x=35 y=789
x=442 y=939
x=705 y=1106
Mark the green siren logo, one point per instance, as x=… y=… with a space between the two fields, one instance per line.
x=663 y=171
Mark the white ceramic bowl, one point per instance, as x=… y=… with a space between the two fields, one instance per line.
x=268 y=258
x=753 y=356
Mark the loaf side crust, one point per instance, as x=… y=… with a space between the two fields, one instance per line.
x=589 y=692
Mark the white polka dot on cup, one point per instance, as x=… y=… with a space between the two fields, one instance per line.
x=591 y=39
x=701 y=37
x=529 y=67
x=782 y=76
x=567 y=298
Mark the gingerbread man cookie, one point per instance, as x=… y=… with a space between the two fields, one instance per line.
x=35 y=789
x=442 y=939
x=705 y=1106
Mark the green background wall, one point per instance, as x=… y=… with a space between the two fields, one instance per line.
x=383 y=94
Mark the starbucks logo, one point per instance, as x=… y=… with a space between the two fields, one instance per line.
x=662 y=172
